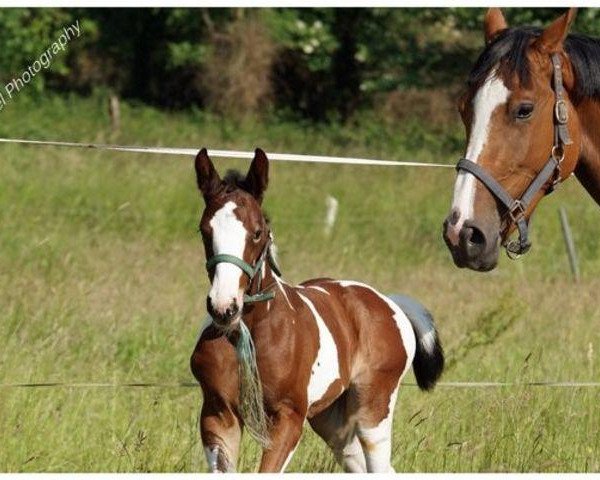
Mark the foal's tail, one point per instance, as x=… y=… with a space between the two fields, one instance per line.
x=428 y=363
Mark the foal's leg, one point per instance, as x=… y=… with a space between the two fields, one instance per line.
x=214 y=364
x=221 y=433
x=285 y=434
x=375 y=433
x=337 y=427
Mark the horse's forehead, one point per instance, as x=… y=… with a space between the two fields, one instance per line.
x=235 y=207
x=489 y=96
x=223 y=213
x=496 y=88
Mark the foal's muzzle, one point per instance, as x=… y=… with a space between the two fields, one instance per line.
x=223 y=316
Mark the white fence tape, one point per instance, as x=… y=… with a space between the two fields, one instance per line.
x=282 y=157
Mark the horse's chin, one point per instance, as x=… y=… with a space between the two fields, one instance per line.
x=478 y=264
x=229 y=327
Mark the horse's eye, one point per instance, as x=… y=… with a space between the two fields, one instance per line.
x=257 y=235
x=524 y=111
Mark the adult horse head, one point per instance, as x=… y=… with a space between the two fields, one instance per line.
x=531 y=114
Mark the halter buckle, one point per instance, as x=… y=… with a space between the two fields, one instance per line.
x=516 y=211
x=558 y=154
x=515 y=249
x=561 y=112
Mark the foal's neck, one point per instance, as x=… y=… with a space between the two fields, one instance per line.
x=588 y=166
x=260 y=309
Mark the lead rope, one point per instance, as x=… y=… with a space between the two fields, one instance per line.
x=252 y=409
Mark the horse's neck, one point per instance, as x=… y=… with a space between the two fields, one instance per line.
x=588 y=166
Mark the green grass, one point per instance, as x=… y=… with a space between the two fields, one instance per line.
x=102 y=280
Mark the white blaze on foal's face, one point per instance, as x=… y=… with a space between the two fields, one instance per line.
x=228 y=237
x=492 y=95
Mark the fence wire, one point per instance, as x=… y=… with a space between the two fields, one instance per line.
x=175 y=385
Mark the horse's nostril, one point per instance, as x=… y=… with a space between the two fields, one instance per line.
x=473 y=241
x=476 y=237
x=232 y=311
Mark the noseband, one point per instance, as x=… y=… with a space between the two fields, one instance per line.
x=517 y=207
x=250 y=271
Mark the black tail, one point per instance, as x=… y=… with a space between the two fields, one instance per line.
x=428 y=363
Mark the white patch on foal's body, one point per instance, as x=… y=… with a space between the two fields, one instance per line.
x=320 y=289
x=280 y=283
x=289 y=458
x=379 y=438
x=229 y=237
x=490 y=96
x=326 y=368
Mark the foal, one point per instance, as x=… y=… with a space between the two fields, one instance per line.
x=274 y=355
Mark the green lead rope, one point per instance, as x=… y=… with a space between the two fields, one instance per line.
x=252 y=407
x=259 y=297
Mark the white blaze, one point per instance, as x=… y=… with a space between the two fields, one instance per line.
x=492 y=94
x=229 y=237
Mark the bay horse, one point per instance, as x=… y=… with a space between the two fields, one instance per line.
x=273 y=355
x=532 y=116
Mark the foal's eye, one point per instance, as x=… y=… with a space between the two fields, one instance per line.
x=524 y=111
x=257 y=235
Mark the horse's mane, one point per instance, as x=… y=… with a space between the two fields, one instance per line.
x=508 y=51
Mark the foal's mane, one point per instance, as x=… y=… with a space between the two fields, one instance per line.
x=508 y=50
x=233 y=179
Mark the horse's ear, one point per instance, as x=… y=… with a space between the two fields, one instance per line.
x=257 y=178
x=552 y=38
x=207 y=177
x=493 y=23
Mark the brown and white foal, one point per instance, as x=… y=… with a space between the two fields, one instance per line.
x=327 y=351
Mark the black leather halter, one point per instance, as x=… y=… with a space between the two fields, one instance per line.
x=517 y=207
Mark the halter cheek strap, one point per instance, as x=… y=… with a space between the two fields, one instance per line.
x=249 y=270
x=517 y=207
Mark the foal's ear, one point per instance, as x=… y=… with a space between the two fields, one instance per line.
x=257 y=178
x=493 y=23
x=207 y=177
x=552 y=38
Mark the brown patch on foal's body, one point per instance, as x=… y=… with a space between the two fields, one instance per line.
x=370 y=350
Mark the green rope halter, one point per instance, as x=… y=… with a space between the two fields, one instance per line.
x=249 y=270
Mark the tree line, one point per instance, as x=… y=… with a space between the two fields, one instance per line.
x=311 y=63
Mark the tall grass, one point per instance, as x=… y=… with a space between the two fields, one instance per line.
x=102 y=279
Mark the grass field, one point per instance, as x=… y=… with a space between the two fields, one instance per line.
x=102 y=280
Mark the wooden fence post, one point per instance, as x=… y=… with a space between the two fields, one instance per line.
x=570 y=244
